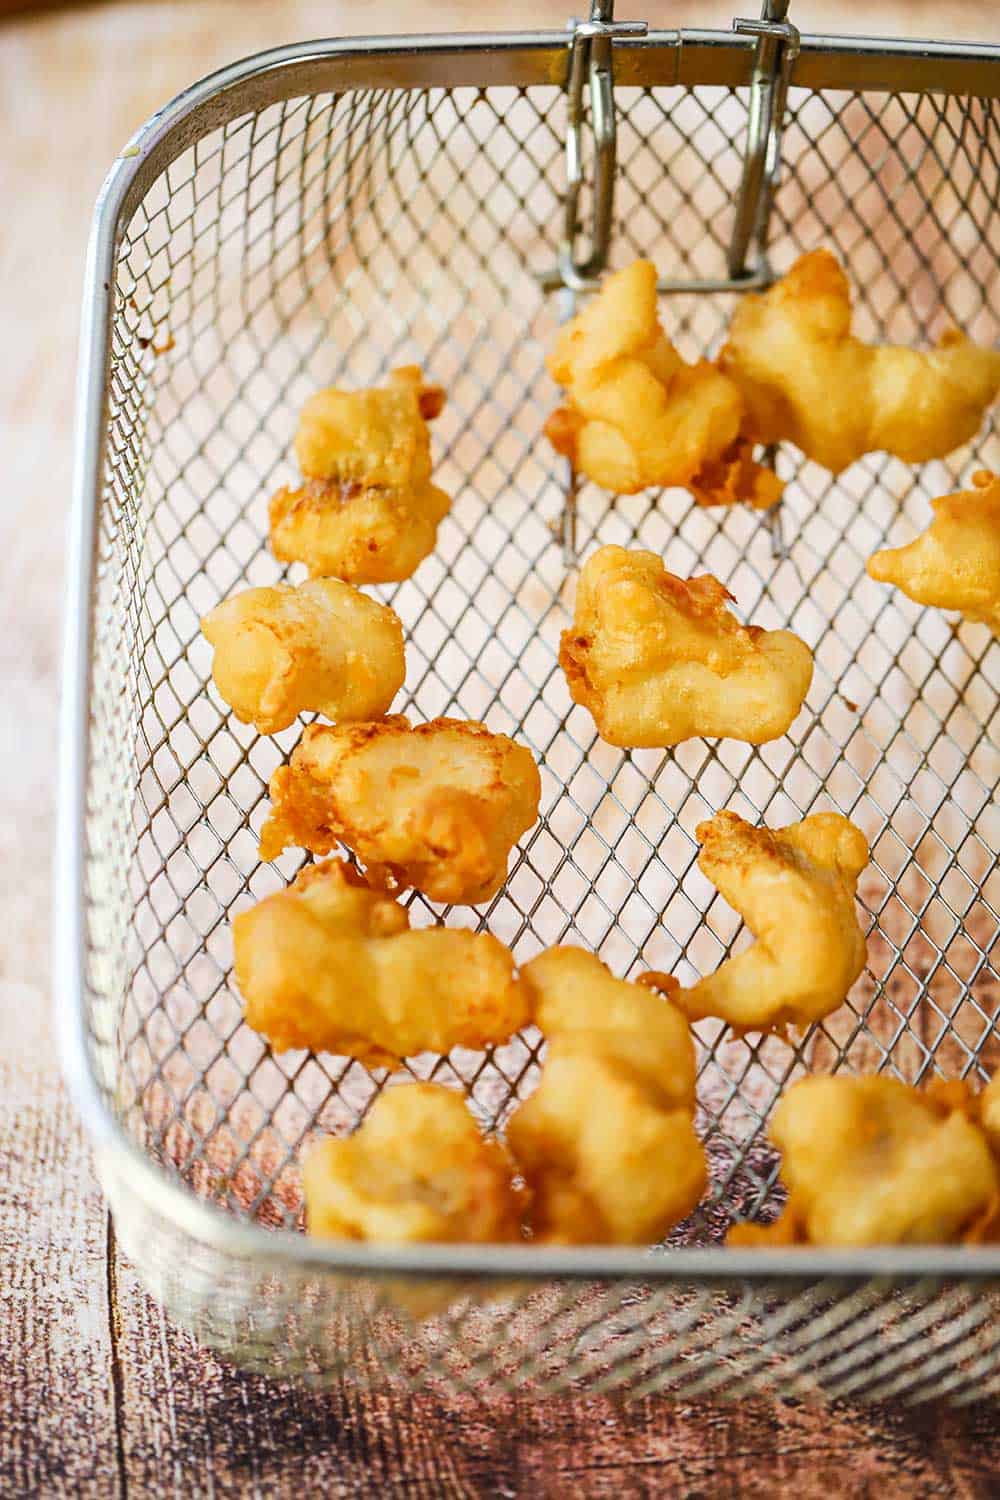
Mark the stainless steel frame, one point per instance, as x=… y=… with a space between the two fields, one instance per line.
x=696 y=1317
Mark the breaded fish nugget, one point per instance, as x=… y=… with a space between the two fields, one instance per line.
x=332 y=965
x=658 y=660
x=794 y=887
x=375 y=437
x=955 y=563
x=637 y=415
x=323 y=646
x=804 y=377
x=438 y=807
x=367 y=512
x=417 y=1169
x=871 y=1161
x=606 y=1143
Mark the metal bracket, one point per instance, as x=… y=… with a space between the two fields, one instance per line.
x=591 y=48
x=777 y=49
x=591 y=45
x=590 y=62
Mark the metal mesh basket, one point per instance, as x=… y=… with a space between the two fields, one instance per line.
x=322 y=213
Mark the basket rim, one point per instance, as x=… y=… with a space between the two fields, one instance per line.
x=680 y=57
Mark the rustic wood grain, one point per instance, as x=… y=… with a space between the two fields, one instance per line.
x=188 y=1415
x=99 y=1395
x=57 y=1401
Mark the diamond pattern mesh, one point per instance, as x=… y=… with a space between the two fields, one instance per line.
x=326 y=239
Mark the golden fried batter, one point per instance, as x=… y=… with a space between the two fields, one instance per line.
x=417 y=1169
x=657 y=660
x=637 y=414
x=606 y=1143
x=332 y=965
x=375 y=437
x=955 y=563
x=870 y=1161
x=323 y=646
x=794 y=887
x=988 y=1108
x=806 y=378
x=367 y=512
x=437 y=807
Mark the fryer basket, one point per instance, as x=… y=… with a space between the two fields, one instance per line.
x=320 y=214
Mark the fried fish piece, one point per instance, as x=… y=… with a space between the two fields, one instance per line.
x=804 y=377
x=418 y=1169
x=367 y=512
x=438 y=807
x=362 y=534
x=606 y=1143
x=955 y=563
x=871 y=1161
x=323 y=646
x=376 y=437
x=637 y=415
x=658 y=660
x=332 y=965
x=794 y=887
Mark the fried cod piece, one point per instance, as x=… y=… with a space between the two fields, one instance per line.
x=794 y=887
x=417 y=1169
x=606 y=1143
x=804 y=377
x=323 y=646
x=955 y=563
x=438 y=807
x=637 y=415
x=658 y=660
x=332 y=965
x=871 y=1161
x=367 y=512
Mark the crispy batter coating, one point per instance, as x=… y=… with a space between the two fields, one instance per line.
x=438 y=807
x=375 y=437
x=871 y=1161
x=364 y=535
x=606 y=1143
x=988 y=1105
x=794 y=887
x=637 y=415
x=332 y=965
x=323 y=646
x=806 y=378
x=417 y=1169
x=955 y=563
x=367 y=512
x=658 y=660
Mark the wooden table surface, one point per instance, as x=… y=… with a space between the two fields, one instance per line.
x=99 y=1395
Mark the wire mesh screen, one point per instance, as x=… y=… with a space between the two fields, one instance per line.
x=326 y=239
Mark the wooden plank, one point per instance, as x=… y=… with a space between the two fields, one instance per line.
x=57 y=1402
x=753 y=1449
x=194 y=1425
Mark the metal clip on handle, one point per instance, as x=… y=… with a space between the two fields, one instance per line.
x=590 y=60
x=777 y=49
